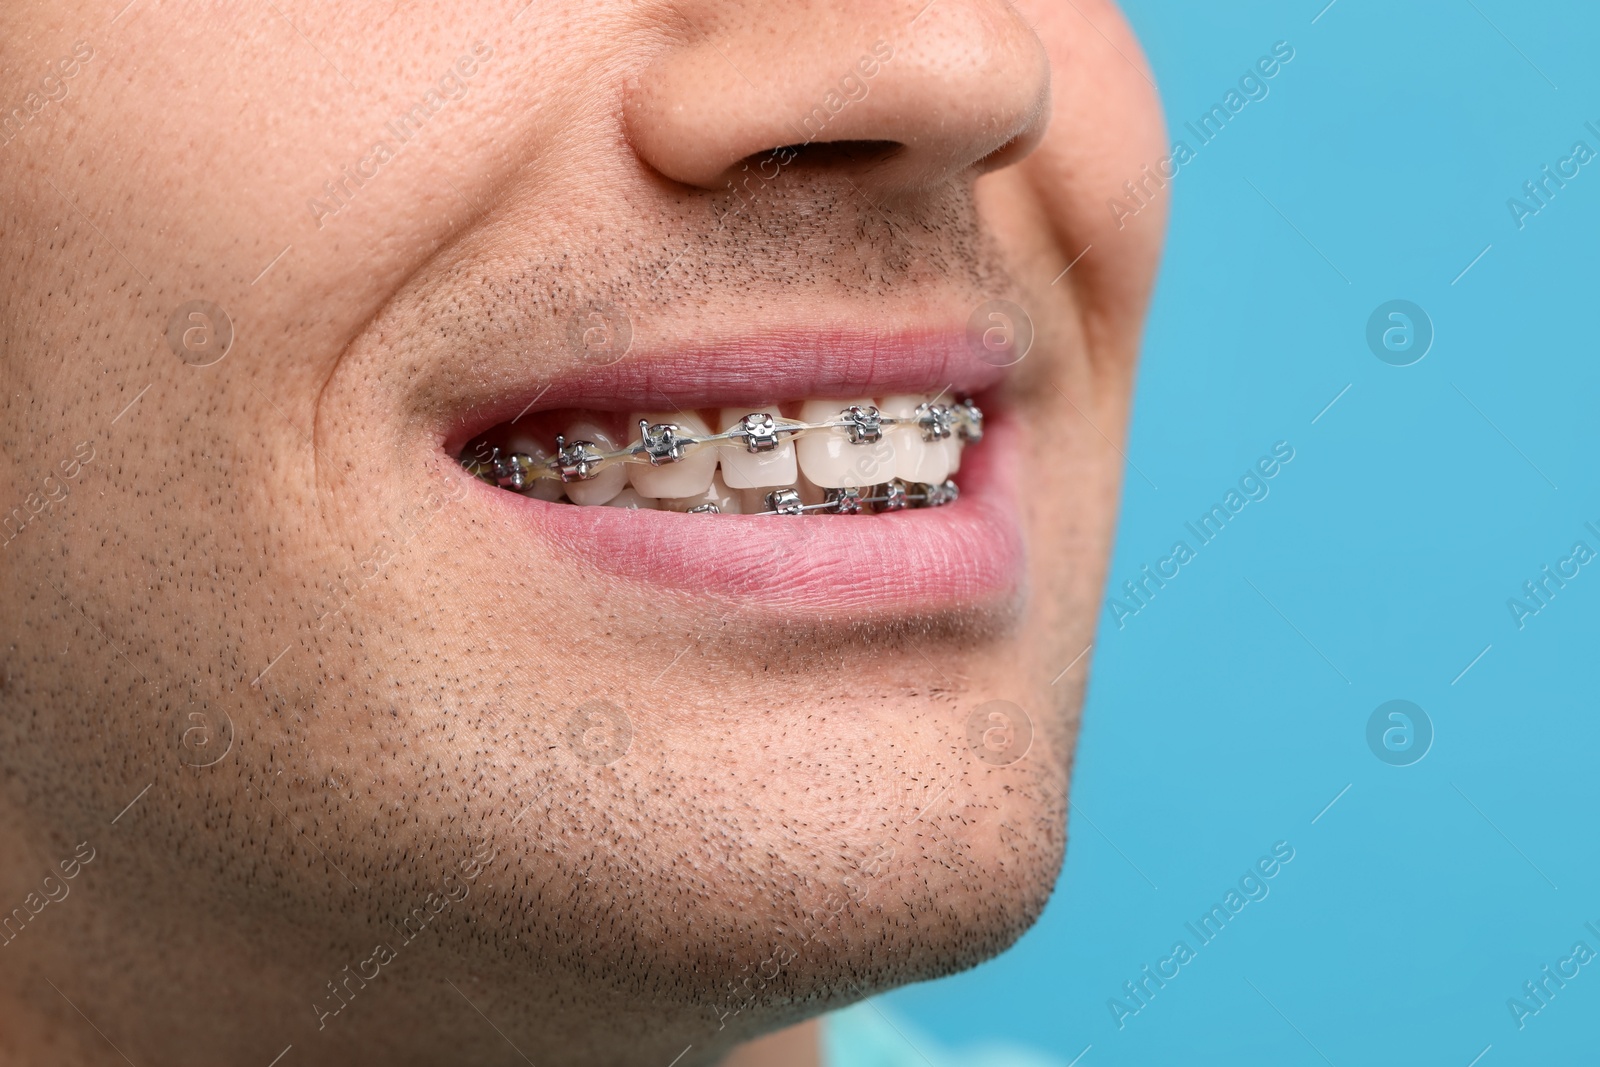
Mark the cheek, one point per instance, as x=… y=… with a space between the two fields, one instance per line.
x=1089 y=151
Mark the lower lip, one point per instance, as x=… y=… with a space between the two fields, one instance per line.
x=963 y=555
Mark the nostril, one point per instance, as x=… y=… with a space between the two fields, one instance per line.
x=836 y=153
x=821 y=155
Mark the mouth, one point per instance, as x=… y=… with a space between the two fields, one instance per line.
x=877 y=482
x=804 y=457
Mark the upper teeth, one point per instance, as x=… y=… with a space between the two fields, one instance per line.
x=678 y=462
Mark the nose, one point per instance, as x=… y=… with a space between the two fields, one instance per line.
x=910 y=96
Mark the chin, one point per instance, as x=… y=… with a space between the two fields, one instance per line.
x=740 y=870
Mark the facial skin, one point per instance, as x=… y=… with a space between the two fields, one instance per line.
x=293 y=676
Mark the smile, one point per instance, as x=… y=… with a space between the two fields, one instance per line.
x=835 y=457
x=689 y=492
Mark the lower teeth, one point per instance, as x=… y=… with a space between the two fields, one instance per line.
x=891 y=496
x=573 y=463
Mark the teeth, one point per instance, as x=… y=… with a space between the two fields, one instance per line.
x=743 y=469
x=727 y=501
x=830 y=456
x=686 y=477
x=608 y=481
x=832 y=460
x=916 y=460
x=540 y=488
x=810 y=491
x=630 y=498
x=754 y=501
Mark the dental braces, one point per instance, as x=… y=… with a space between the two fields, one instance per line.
x=663 y=443
x=894 y=495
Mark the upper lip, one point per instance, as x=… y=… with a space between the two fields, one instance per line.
x=753 y=369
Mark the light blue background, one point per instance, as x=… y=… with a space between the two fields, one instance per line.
x=1414 y=508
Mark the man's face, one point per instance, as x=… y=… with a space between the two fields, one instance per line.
x=562 y=776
